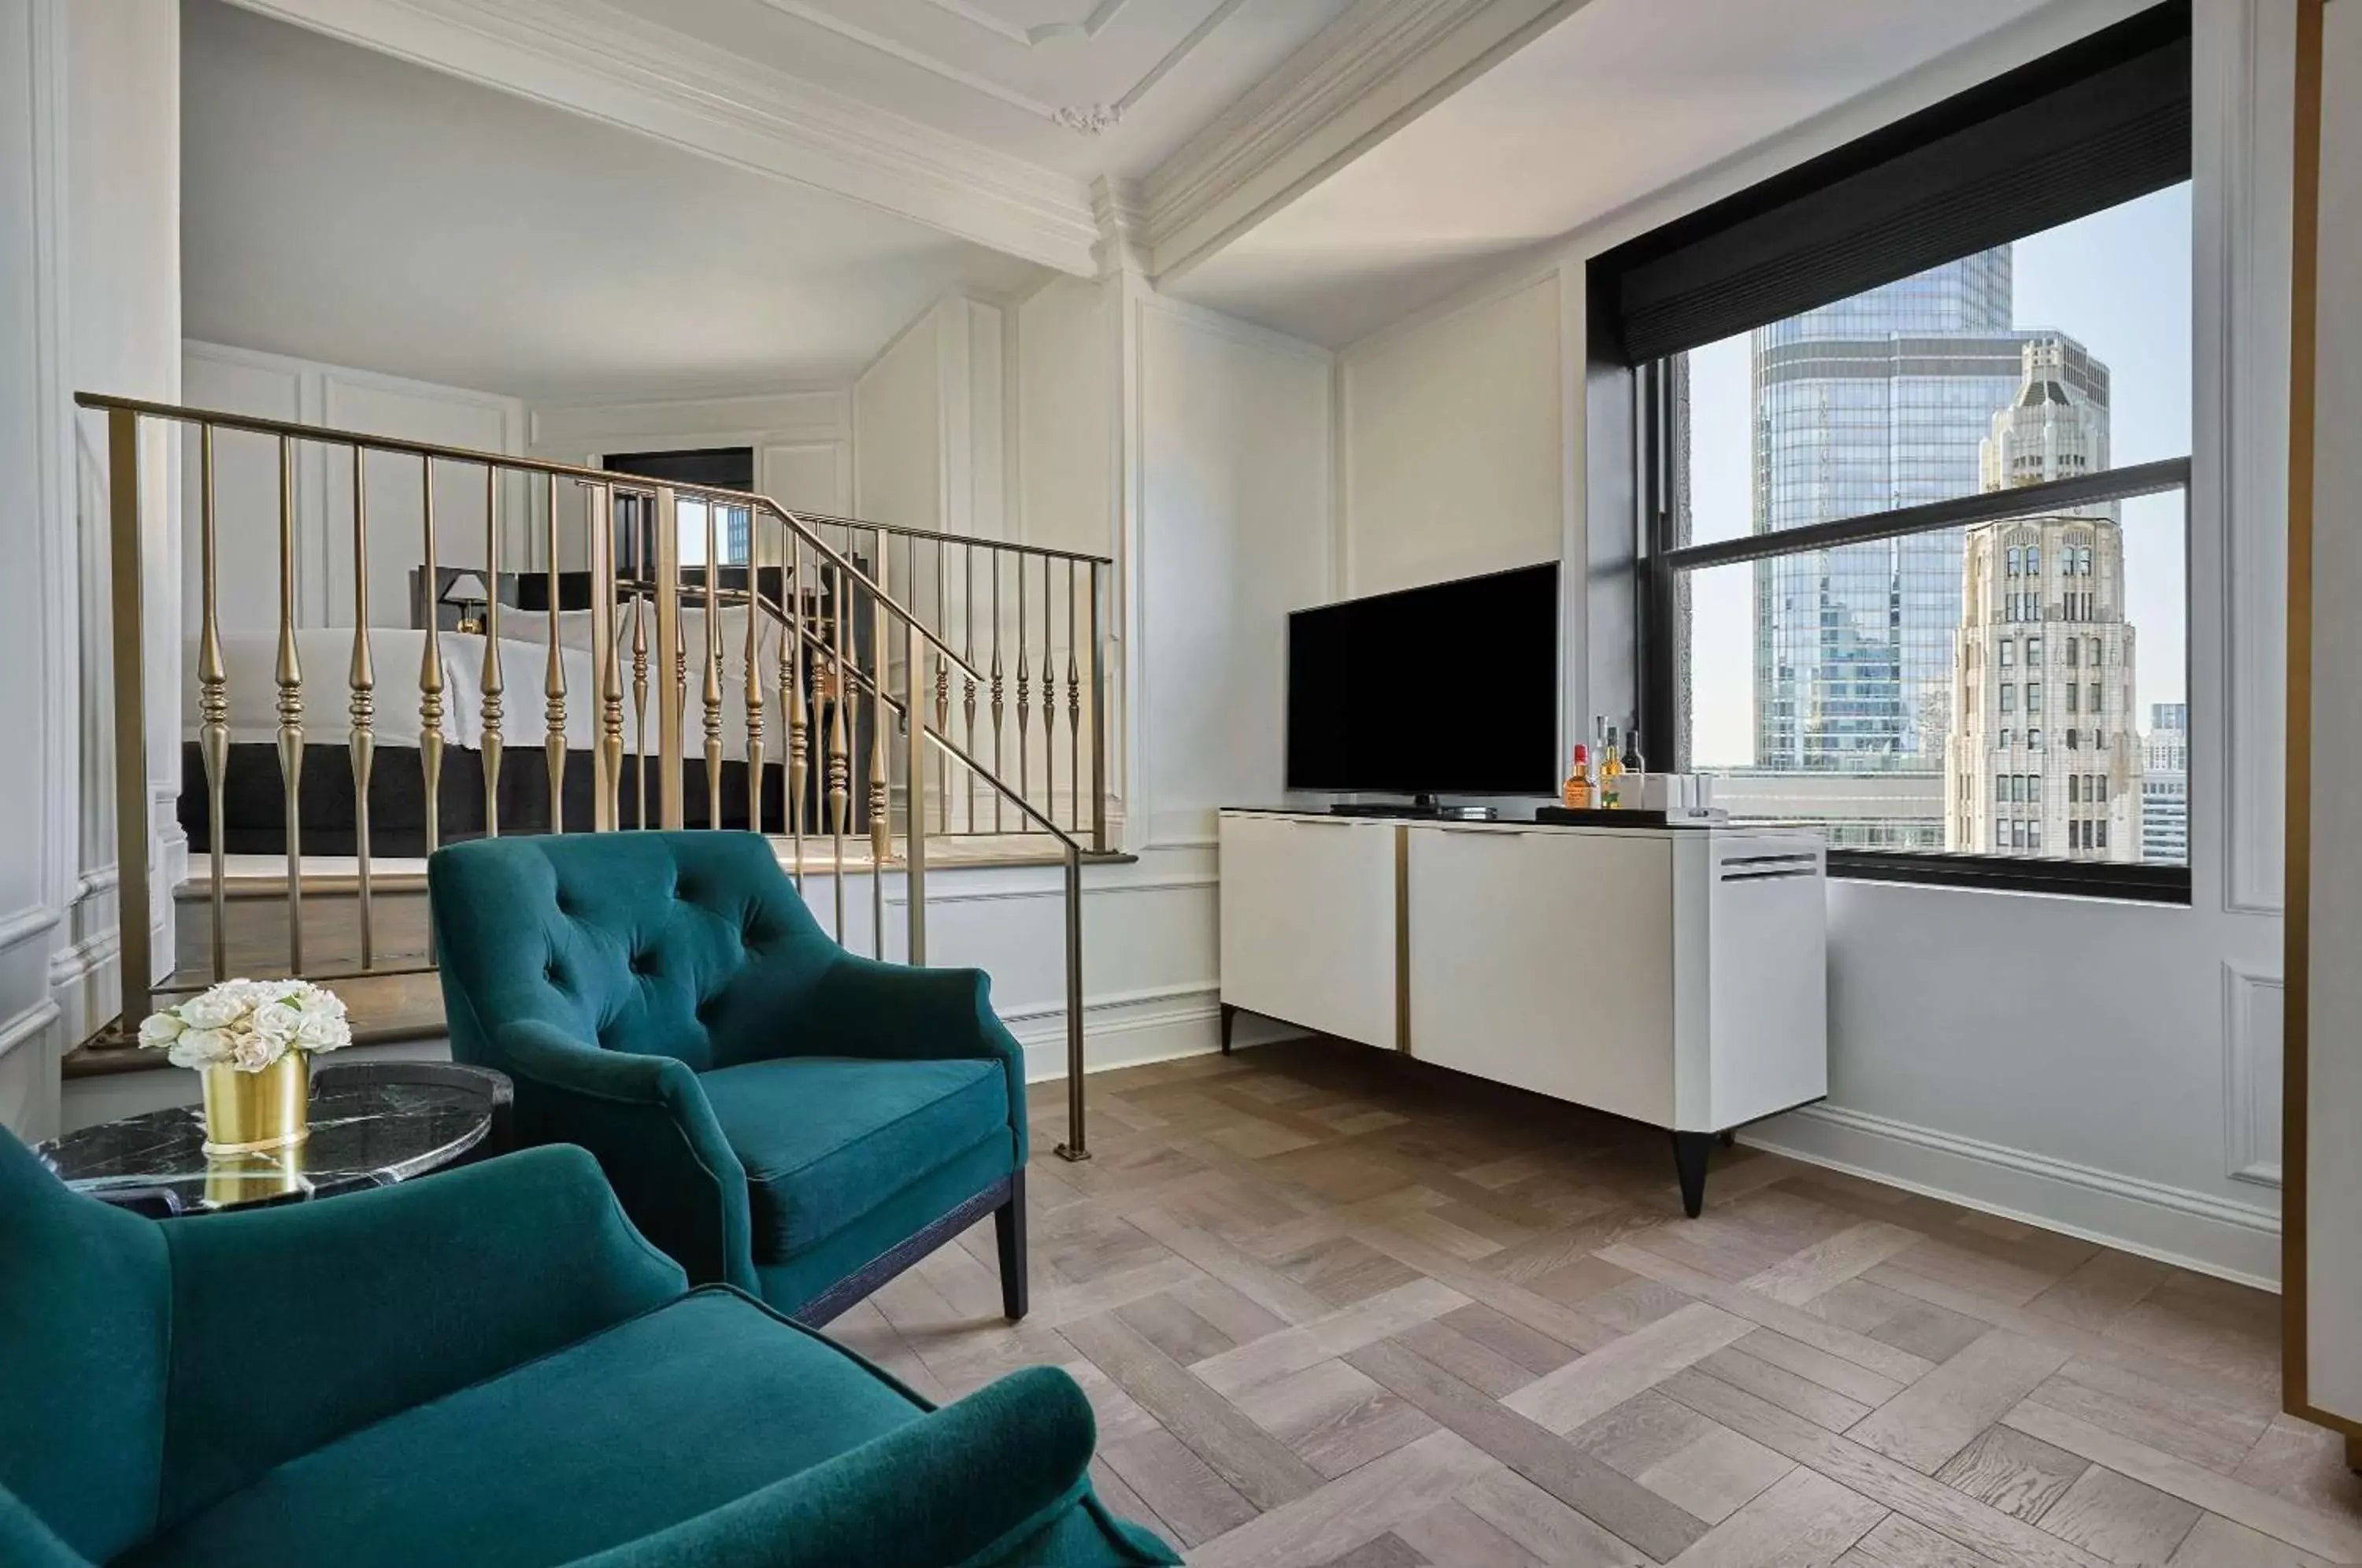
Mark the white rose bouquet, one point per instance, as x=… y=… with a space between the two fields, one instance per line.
x=248 y=1024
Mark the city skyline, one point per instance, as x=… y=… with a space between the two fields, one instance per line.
x=2108 y=280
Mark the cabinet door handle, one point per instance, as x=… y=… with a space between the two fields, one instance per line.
x=1319 y=821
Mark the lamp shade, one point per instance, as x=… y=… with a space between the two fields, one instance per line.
x=465 y=588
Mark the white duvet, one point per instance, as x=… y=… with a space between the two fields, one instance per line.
x=325 y=655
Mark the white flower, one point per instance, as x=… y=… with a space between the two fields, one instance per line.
x=201 y=1048
x=250 y=1052
x=274 y=1021
x=160 y=1030
x=219 y=1007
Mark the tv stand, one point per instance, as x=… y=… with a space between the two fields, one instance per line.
x=1675 y=976
x=1422 y=808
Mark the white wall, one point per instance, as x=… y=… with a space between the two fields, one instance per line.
x=1068 y=409
x=2103 y=1068
x=1230 y=530
x=247 y=486
x=1453 y=443
x=931 y=442
x=89 y=298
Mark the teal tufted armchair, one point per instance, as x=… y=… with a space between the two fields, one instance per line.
x=776 y=1114
x=484 y=1368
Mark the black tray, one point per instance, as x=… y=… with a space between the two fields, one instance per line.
x=1621 y=816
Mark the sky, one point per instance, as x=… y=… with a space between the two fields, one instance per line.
x=2118 y=282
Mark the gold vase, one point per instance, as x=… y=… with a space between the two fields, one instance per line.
x=248 y=1113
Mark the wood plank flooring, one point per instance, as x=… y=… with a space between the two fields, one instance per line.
x=1336 y=1307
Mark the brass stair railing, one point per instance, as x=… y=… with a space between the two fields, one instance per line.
x=825 y=635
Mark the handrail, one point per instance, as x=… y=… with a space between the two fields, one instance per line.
x=636 y=485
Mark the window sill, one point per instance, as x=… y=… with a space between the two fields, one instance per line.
x=2000 y=874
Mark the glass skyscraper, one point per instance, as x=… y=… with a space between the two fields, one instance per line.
x=1873 y=403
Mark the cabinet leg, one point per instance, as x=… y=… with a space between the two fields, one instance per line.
x=1690 y=1150
x=1230 y=1016
x=2353 y=1454
x=1727 y=1138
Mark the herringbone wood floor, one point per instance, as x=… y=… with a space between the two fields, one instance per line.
x=1336 y=1307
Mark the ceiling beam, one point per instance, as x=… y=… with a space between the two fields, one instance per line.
x=1375 y=67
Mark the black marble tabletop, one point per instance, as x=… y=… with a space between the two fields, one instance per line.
x=372 y=1125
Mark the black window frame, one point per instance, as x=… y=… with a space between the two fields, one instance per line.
x=1654 y=486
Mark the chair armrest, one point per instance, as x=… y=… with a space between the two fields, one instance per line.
x=647 y=1122
x=859 y=1006
x=963 y=1484
x=295 y=1325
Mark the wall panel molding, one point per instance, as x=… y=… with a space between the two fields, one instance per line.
x=2252 y=1007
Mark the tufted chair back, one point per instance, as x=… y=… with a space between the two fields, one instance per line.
x=693 y=946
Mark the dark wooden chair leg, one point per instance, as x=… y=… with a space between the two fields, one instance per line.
x=1690 y=1150
x=1230 y=1016
x=1008 y=1232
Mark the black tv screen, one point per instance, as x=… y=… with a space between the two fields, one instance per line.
x=1451 y=688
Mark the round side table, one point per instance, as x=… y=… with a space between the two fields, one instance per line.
x=374 y=1123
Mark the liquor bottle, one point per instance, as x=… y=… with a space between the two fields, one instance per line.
x=1632 y=763
x=1576 y=792
x=1611 y=775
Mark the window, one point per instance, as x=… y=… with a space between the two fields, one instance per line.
x=1856 y=463
x=2095 y=697
x=2001 y=788
x=2074 y=788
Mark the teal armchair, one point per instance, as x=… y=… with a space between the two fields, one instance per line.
x=774 y=1112
x=484 y=1368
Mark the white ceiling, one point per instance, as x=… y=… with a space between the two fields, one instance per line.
x=500 y=244
x=1083 y=87
x=1621 y=99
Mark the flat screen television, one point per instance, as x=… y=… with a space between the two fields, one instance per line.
x=1450 y=688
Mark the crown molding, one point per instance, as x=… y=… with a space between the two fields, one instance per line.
x=588 y=58
x=1376 y=66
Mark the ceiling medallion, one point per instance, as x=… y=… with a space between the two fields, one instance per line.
x=1087 y=119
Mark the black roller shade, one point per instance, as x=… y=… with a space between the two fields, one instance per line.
x=2087 y=126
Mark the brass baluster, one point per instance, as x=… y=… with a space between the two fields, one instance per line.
x=914 y=826
x=672 y=683
x=430 y=673
x=1073 y=712
x=943 y=701
x=607 y=655
x=492 y=684
x=881 y=842
x=134 y=882
x=291 y=706
x=840 y=794
x=212 y=706
x=791 y=698
x=553 y=683
x=362 y=741
x=1099 y=722
x=641 y=571
x=999 y=769
x=753 y=687
x=1024 y=740
x=968 y=679
x=712 y=651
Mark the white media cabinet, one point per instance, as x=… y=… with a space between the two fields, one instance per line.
x=1676 y=976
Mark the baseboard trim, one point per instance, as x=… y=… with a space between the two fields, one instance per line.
x=2190 y=1230
x=1137 y=1039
